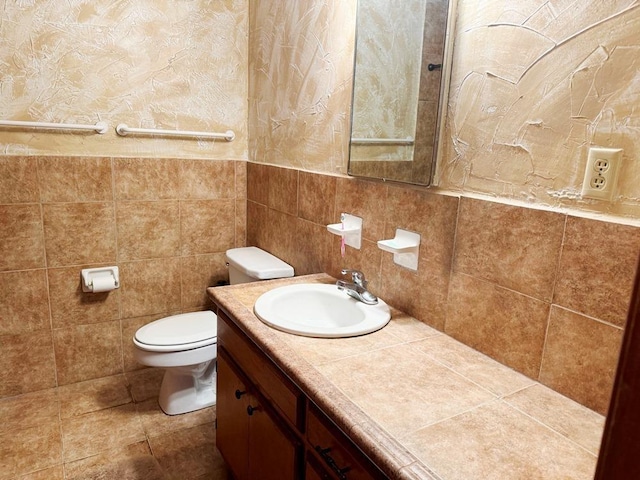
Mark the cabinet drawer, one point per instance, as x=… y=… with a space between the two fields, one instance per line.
x=271 y=382
x=336 y=450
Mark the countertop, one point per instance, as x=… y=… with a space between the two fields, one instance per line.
x=422 y=405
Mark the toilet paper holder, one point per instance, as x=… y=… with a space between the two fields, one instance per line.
x=101 y=279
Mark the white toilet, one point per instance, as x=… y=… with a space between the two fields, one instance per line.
x=185 y=344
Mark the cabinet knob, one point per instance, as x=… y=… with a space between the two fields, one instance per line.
x=239 y=394
x=251 y=410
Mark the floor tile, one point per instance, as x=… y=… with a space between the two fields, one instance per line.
x=91 y=433
x=133 y=461
x=30 y=449
x=189 y=454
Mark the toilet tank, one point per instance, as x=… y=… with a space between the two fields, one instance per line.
x=250 y=264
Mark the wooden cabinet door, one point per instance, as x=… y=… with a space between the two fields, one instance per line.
x=313 y=471
x=232 y=419
x=273 y=450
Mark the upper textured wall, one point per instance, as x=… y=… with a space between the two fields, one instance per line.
x=150 y=64
x=535 y=83
x=301 y=69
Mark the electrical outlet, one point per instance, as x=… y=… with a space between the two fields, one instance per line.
x=601 y=173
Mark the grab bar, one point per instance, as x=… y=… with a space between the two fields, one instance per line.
x=100 y=127
x=124 y=130
x=384 y=141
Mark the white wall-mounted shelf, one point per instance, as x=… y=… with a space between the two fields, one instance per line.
x=405 y=247
x=350 y=229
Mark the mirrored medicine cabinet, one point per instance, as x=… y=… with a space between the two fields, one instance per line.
x=399 y=88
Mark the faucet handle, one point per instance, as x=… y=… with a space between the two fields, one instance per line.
x=356 y=275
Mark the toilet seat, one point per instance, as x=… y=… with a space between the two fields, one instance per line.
x=178 y=333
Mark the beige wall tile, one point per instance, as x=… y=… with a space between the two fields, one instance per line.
x=147 y=178
x=21 y=237
x=207 y=226
x=150 y=286
x=79 y=233
x=89 y=434
x=283 y=190
x=24 y=305
x=30 y=449
x=258 y=183
x=363 y=199
x=207 y=179
x=75 y=179
x=317 y=197
x=311 y=248
x=71 y=306
x=367 y=260
x=241 y=223
x=597 y=269
x=241 y=179
x=280 y=235
x=256 y=224
x=517 y=248
x=19 y=180
x=501 y=323
x=26 y=364
x=580 y=358
x=148 y=229
x=198 y=273
x=422 y=294
x=85 y=352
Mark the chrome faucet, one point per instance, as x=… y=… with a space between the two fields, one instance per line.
x=358 y=288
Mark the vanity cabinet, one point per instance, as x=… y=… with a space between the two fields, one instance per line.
x=267 y=428
x=250 y=436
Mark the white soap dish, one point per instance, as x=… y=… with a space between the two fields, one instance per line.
x=405 y=247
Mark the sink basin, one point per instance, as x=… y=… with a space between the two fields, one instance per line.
x=319 y=310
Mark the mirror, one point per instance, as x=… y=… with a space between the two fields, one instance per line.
x=398 y=87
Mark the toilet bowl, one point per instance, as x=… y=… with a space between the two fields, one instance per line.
x=185 y=344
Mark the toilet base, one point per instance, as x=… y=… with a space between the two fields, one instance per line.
x=187 y=389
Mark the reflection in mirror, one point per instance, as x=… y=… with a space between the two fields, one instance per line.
x=397 y=88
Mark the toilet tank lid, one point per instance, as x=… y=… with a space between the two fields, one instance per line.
x=258 y=264
x=179 y=329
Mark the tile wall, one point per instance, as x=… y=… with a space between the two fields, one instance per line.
x=529 y=288
x=165 y=222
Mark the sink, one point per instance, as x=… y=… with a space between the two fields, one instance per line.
x=319 y=310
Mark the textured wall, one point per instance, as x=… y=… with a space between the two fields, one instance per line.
x=534 y=84
x=300 y=71
x=151 y=64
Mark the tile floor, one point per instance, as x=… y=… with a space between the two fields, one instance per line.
x=109 y=428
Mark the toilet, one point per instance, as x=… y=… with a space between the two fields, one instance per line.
x=185 y=344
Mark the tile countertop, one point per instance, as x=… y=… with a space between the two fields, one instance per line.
x=422 y=405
